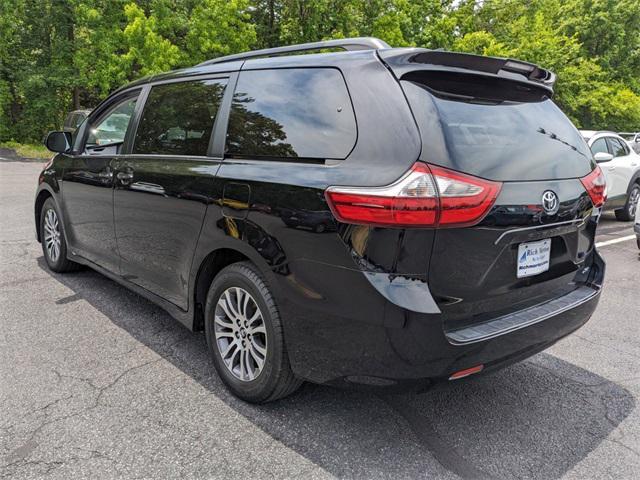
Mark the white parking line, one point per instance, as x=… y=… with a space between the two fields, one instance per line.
x=615 y=240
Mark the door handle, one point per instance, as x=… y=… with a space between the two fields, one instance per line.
x=611 y=169
x=125 y=177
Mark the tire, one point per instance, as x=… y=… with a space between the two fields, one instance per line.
x=53 y=239
x=225 y=335
x=628 y=212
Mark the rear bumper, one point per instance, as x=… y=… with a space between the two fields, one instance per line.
x=414 y=348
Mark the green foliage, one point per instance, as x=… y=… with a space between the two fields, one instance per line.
x=146 y=51
x=217 y=28
x=28 y=151
x=59 y=55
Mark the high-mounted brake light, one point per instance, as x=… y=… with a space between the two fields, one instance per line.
x=596 y=186
x=427 y=196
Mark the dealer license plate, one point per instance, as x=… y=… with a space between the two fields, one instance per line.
x=533 y=258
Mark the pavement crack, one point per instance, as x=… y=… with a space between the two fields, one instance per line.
x=624 y=445
x=102 y=390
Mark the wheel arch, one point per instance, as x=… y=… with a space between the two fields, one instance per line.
x=635 y=179
x=41 y=197
x=208 y=269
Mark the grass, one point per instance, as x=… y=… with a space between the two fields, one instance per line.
x=27 y=150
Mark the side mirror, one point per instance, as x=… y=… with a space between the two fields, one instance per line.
x=602 y=157
x=59 y=142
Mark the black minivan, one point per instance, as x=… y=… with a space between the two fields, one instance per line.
x=376 y=216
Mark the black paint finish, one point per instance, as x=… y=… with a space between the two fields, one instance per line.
x=158 y=215
x=359 y=304
x=88 y=208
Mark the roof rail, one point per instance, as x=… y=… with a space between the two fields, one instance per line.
x=356 y=43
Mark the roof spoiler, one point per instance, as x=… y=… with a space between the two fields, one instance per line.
x=403 y=61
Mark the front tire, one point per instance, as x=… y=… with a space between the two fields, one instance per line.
x=54 y=242
x=628 y=212
x=245 y=336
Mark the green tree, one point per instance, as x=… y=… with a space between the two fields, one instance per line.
x=57 y=55
x=219 y=27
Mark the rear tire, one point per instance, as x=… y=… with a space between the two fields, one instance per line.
x=249 y=355
x=628 y=212
x=53 y=239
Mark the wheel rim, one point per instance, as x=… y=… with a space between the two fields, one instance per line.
x=241 y=336
x=52 y=235
x=633 y=201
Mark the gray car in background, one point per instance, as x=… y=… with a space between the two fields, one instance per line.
x=74 y=119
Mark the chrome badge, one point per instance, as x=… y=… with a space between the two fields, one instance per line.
x=550 y=202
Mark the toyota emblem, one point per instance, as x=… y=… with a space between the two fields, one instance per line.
x=550 y=202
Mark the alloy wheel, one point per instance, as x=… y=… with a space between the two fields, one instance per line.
x=634 y=197
x=240 y=332
x=52 y=235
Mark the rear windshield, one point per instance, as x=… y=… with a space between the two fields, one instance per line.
x=498 y=140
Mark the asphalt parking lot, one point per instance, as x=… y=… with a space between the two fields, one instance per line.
x=96 y=382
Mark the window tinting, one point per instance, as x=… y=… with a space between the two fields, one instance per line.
x=618 y=148
x=599 y=146
x=498 y=140
x=178 y=117
x=69 y=121
x=78 y=119
x=289 y=113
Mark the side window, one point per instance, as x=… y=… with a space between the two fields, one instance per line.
x=111 y=128
x=178 y=118
x=600 y=145
x=77 y=121
x=618 y=148
x=291 y=113
x=68 y=121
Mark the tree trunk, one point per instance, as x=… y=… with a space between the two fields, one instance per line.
x=76 y=98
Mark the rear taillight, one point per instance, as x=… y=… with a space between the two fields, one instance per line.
x=427 y=196
x=464 y=200
x=596 y=186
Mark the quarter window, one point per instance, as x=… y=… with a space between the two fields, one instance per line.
x=291 y=113
x=618 y=148
x=178 y=118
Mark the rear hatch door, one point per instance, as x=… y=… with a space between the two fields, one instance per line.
x=535 y=243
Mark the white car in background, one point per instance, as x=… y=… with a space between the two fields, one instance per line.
x=636 y=227
x=633 y=140
x=621 y=167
